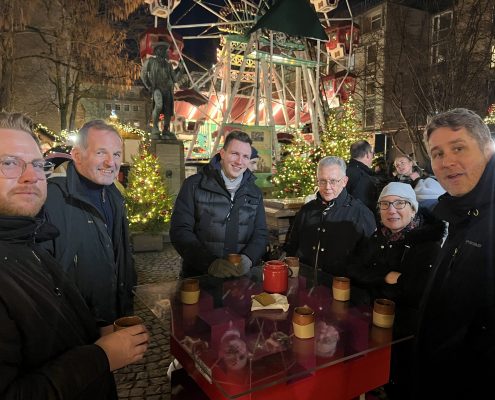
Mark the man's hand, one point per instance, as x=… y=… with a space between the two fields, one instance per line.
x=125 y=346
x=223 y=269
x=246 y=264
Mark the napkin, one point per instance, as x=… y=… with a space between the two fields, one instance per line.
x=280 y=303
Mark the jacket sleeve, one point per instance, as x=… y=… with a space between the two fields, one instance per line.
x=256 y=247
x=292 y=244
x=67 y=376
x=182 y=230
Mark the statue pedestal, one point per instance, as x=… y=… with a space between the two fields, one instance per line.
x=170 y=154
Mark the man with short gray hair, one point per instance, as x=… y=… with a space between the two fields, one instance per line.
x=327 y=230
x=88 y=209
x=456 y=337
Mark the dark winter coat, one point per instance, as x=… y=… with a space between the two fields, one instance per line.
x=46 y=331
x=206 y=224
x=362 y=184
x=333 y=232
x=101 y=266
x=456 y=337
x=412 y=256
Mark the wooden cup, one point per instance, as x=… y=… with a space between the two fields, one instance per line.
x=126 y=322
x=341 y=288
x=383 y=313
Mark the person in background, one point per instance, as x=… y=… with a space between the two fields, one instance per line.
x=455 y=342
x=407 y=169
x=327 y=230
x=395 y=263
x=50 y=345
x=220 y=211
x=253 y=162
x=362 y=183
x=87 y=208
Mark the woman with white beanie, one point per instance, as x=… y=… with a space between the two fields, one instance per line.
x=395 y=263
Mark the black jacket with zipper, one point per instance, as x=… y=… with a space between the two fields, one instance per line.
x=100 y=265
x=46 y=330
x=206 y=224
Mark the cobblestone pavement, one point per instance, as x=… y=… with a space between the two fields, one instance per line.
x=148 y=378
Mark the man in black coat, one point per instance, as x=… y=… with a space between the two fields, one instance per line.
x=220 y=211
x=88 y=210
x=50 y=347
x=456 y=335
x=327 y=231
x=362 y=184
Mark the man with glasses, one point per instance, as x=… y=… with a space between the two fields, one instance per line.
x=362 y=183
x=50 y=346
x=456 y=336
x=88 y=209
x=327 y=230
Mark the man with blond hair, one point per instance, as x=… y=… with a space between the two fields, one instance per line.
x=50 y=345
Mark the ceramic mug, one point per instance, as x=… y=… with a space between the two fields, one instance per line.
x=189 y=292
x=275 y=276
x=126 y=322
x=234 y=258
x=293 y=264
x=341 y=288
x=303 y=322
x=383 y=313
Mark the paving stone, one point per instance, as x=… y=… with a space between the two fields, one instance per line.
x=147 y=379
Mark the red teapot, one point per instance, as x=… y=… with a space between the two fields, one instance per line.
x=275 y=276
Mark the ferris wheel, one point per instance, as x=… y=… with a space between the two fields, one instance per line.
x=264 y=76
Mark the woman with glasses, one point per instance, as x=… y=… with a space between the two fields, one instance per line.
x=395 y=263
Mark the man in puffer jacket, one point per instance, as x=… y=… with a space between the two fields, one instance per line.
x=220 y=211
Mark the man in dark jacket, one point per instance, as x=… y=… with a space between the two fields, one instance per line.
x=456 y=336
x=50 y=347
x=327 y=230
x=362 y=183
x=88 y=209
x=220 y=211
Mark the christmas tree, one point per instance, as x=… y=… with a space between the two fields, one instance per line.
x=149 y=206
x=296 y=172
x=490 y=118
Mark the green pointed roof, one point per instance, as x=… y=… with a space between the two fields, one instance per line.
x=293 y=17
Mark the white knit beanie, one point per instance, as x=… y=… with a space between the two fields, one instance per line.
x=428 y=188
x=402 y=190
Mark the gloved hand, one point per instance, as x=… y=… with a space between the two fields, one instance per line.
x=223 y=269
x=245 y=264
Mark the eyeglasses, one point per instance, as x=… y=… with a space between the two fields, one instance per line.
x=398 y=204
x=13 y=167
x=331 y=182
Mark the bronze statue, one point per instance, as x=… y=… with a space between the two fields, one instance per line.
x=159 y=78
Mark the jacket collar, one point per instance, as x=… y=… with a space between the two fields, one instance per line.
x=343 y=199
x=360 y=165
x=25 y=230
